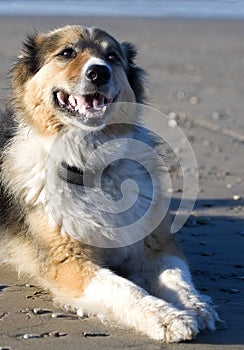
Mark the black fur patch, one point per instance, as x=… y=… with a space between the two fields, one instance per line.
x=11 y=212
x=34 y=50
x=136 y=75
x=30 y=54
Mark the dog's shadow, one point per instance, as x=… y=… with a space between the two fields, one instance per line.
x=213 y=245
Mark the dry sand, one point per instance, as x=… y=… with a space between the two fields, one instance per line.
x=196 y=70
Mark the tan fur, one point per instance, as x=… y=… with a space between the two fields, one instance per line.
x=36 y=99
x=67 y=268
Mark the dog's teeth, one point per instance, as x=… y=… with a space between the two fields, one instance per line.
x=72 y=101
x=98 y=102
x=61 y=97
x=82 y=109
x=89 y=106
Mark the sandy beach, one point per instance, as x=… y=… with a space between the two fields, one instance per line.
x=196 y=74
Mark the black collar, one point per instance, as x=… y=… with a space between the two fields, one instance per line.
x=71 y=174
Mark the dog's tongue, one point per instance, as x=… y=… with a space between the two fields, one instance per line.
x=84 y=103
x=87 y=101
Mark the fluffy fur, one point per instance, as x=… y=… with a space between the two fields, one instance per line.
x=60 y=84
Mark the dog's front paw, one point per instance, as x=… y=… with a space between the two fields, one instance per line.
x=207 y=317
x=182 y=326
x=175 y=327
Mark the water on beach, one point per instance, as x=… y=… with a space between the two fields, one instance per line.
x=130 y=8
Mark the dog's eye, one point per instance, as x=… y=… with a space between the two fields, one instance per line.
x=113 y=57
x=67 y=53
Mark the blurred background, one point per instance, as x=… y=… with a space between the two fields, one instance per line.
x=134 y=8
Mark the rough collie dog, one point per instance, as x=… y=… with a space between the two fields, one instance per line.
x=67 y=86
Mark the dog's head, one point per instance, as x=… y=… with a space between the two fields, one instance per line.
x=74 y=73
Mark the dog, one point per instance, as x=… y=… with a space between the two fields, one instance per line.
x=68 y=86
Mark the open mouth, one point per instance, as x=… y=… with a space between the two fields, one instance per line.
x=89 y=108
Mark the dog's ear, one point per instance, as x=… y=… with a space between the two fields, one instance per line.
x=136 y=75
x=29 y=60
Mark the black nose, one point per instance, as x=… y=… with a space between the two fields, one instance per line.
x=98 y=74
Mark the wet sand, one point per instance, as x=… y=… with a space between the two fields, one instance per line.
x=196 y=73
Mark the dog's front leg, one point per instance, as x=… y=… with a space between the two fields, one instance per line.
x=174 y=284
x=73 y=274
x=89 y=289
x=123 y=302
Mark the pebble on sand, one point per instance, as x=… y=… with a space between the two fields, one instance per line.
x=234 y=291
x=207 y=254
x=94 y=334
x=58 y=315
x=54 y=334
x=172 y=123
x=31 y=336
x=194 y=100
x=39 y=311
x=181 y=95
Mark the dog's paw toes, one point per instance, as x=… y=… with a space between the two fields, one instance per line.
x=207 y=317
x=183 y=326
x=176 y=328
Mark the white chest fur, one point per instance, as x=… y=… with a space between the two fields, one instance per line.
x=123 y=205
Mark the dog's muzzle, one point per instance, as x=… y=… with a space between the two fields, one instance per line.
x=89 y=108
